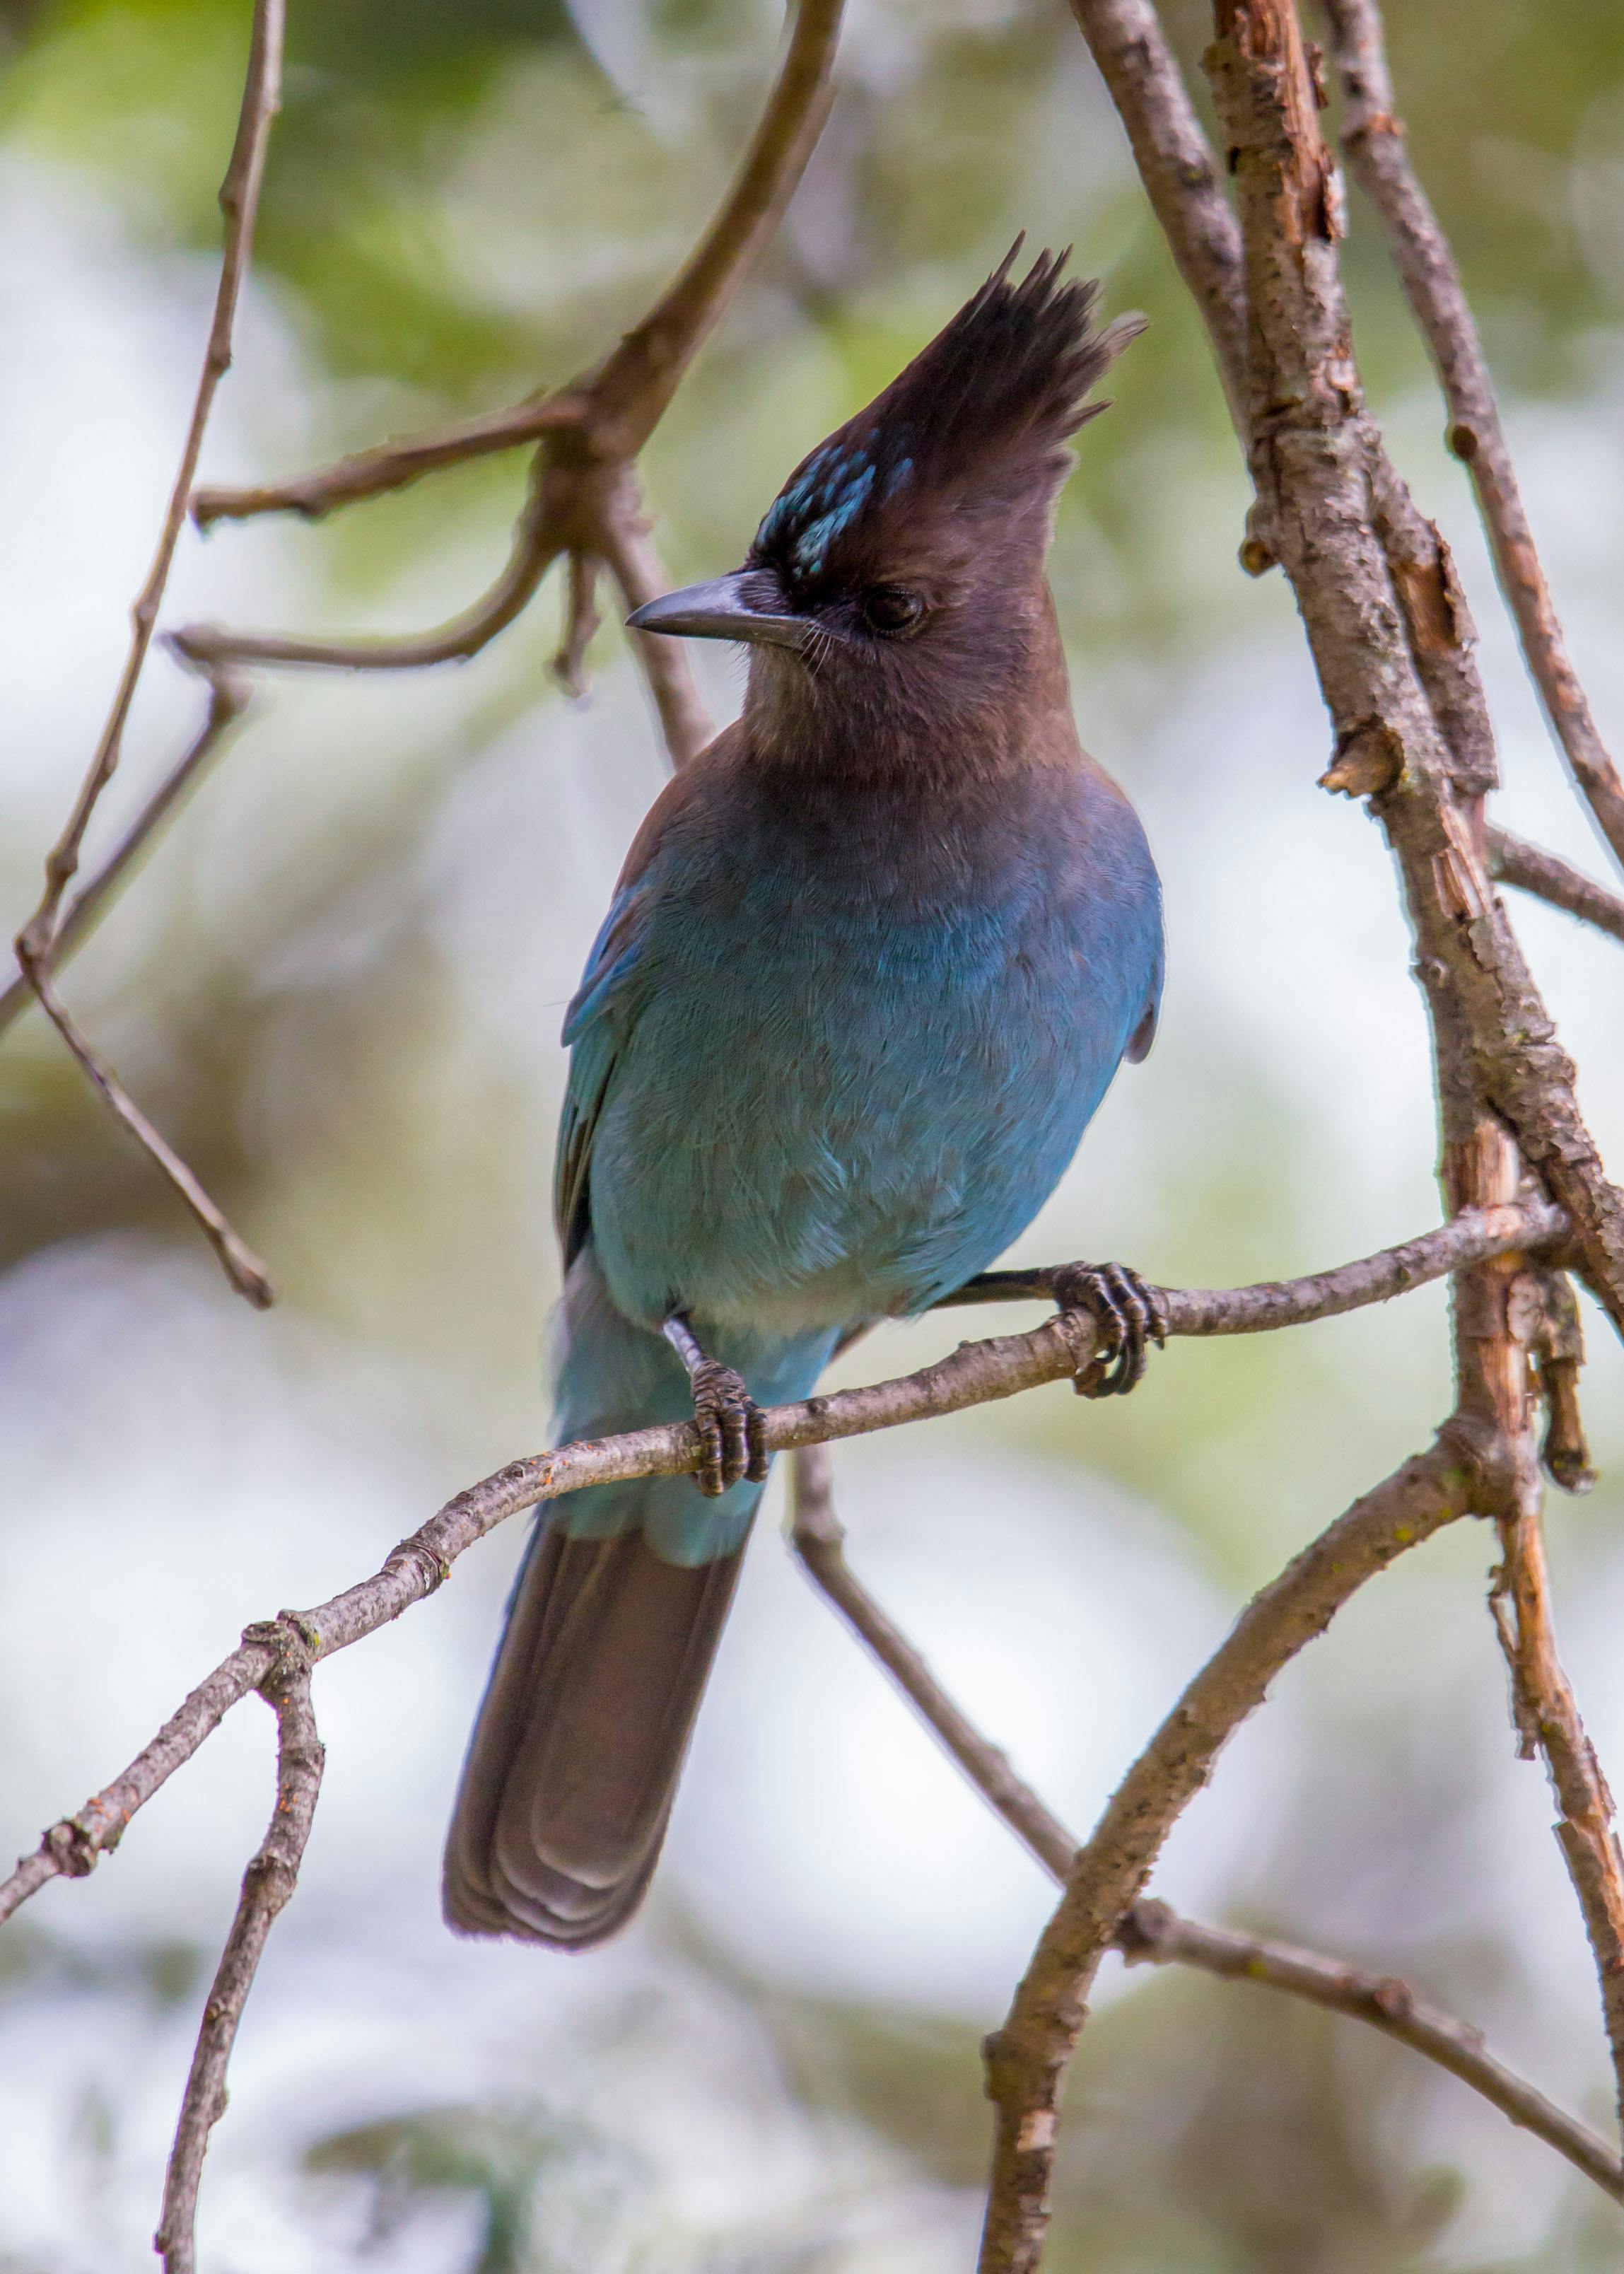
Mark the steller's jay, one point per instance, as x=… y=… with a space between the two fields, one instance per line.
x=871 y=964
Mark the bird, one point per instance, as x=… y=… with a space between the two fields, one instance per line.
x=872 y=963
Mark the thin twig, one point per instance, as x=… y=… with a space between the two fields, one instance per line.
x=1151 y=1932
x=240 y=202
x=1027 y=2059
x=242 y=1267
x=686 y=725
x=581 y=622
x=228 y=700
x=537 y=544
x=1374 y=139
x=1387 y=2005
x=267 y=1884
x=1546 y=1715
x=1181 y=179
x=975 y=1374
x=39 y=942
x=1530 y=868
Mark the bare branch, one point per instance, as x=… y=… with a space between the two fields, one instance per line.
x=39 y=942
x=1150 y=1931
x=242 y=1267
x=538 y=543
x=267 y=1884
x=1546 y=1715
x=228 y=700
x=240 y=202
x=973 y=1375
x=1530 y=868
x=1026 y=2058
x=1374 y=141
x=686 y=726
x=1316 y=458
x=1475 y=1233
x=617 y=406
x=819 y=1542
x=391 y=465
x=1181 y=180
x=581 y=622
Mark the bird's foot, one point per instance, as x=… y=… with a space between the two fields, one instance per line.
x=1128 y=1313
x=733 y=1429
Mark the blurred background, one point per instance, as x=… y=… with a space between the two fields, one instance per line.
x=337 y=984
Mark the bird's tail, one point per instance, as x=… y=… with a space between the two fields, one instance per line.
x=611 y=1632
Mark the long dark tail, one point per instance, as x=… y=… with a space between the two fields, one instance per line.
x=575 y=1755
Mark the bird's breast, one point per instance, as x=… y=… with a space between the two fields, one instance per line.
x=861 y=1059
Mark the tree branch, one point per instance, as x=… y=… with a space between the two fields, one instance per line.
x=228 y=700
x=1027 y=2059
x=1374 y=141
x=1530 y=868
x=242 y=1267
x=1181 y=180
x=267 y=1885
x=1150 y=1932
x=1546 y=1716
x=39 y=943
x=973 y=1375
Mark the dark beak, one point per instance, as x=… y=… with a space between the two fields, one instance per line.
x=724 y=610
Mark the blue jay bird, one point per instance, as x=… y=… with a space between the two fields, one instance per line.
x=871 y=965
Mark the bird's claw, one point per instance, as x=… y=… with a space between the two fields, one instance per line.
x=1127 y=1312
x=732 y=1430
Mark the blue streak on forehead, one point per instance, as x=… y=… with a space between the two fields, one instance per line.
x=830 y=490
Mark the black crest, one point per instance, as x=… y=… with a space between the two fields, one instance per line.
x=983 y=408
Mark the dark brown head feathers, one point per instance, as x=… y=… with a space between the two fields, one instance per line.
x=979 y=414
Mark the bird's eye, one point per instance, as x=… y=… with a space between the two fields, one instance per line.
x=892 y=608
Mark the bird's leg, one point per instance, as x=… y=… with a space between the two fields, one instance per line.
x=732 y=1430
x=1127 y=1312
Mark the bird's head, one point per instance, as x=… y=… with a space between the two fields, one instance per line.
x=901 y=566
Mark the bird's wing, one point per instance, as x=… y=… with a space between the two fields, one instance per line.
x=595 y=1026
x=600 y=1018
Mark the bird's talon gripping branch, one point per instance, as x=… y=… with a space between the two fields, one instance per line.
x=1129 y=1314
x=733 y=1440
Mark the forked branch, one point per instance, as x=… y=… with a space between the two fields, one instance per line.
x=1027 y=2059
x=267 y=1885
x=41 y=941
x=1374 y=141
x=1150 y=1932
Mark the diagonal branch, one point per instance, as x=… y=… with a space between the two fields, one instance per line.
x=240 y=202
x=1373 y=139
x=1150 y=1932
x=973 y=1375
x=1182 y=181
x=1530 y=868
x=242 y=1267
x=1027 y=2059
x=228 y=700
x=267 y=1884
x=39 y=941
x=1546 y=1715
